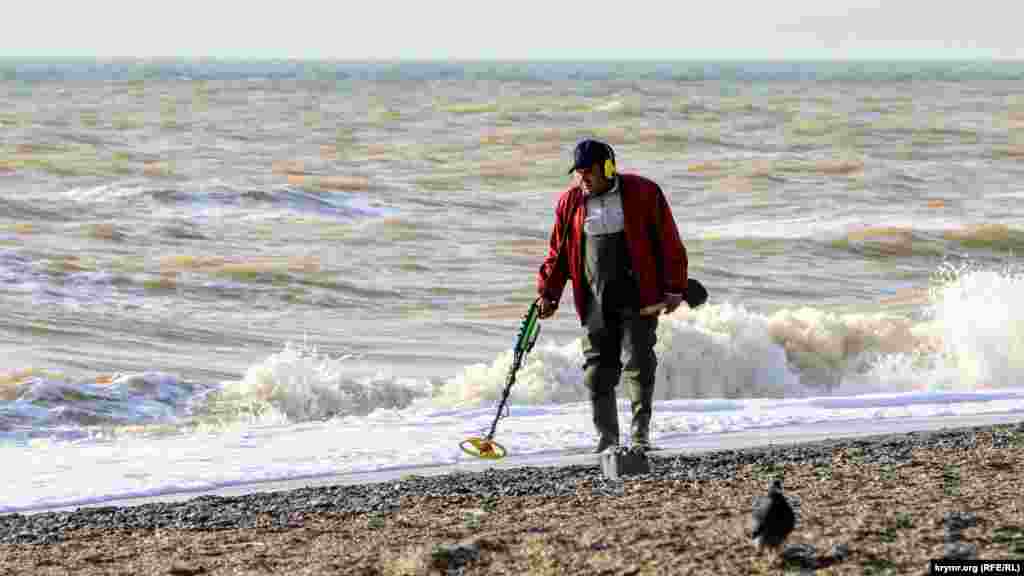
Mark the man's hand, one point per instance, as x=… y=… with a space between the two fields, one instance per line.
x=547 y=308
x=672 y=301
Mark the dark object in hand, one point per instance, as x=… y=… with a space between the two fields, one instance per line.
x=696 y=294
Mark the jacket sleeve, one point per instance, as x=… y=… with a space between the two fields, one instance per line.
x=554 y=272
x=673 y=252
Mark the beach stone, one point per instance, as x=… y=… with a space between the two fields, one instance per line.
x=959 y=551
x=608 y=488
x=839 y=552
x=955 y=523
x=803 y=554
x=186 y=570
x=452 y=558
x=624 y=462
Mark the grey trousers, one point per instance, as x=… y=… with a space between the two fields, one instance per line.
x=602 y=365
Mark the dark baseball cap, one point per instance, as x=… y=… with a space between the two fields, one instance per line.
x=590 y=151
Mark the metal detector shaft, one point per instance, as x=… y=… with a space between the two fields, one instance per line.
x=504 y=395
x=528 y=332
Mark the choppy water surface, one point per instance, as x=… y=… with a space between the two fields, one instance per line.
x=194 y=250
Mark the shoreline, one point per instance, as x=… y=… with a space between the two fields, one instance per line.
x=670 y=446
x=883 y=504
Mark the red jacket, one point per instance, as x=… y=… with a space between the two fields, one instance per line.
x=657 y=254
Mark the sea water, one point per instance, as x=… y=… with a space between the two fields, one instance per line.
x=219 y=273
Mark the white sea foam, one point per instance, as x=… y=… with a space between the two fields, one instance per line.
x=300 y=384
x=982 y=326
x=722 y=351
x=970 y=339
x=103 y=193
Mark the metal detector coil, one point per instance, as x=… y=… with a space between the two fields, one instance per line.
x=483 y=448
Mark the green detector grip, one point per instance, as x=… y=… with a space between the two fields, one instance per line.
x=528 y=330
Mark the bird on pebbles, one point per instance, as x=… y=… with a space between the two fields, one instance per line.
x=773 y=518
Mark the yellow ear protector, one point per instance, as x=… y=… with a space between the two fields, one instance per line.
x=609 y=169
x=609 y=164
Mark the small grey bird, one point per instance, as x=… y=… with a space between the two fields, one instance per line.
x=773 y=518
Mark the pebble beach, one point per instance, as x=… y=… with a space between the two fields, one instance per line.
x=875 y=505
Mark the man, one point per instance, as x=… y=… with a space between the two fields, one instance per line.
x=615 y=237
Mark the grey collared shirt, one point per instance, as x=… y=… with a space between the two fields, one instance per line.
x=604 y=212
